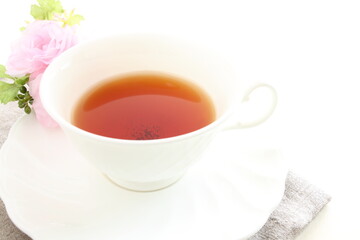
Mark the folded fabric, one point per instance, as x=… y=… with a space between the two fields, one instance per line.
x=8 y=115
x=301 y=203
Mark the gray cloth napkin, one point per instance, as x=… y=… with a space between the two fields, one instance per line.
x=299 y=206
x=301 y=203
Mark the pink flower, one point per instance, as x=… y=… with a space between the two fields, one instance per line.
x=40 y=43
x=41 y=115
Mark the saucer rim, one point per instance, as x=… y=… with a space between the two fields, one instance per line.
x=8 y=209
x=32 y=234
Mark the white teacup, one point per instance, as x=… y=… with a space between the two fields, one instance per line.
x=142 y=165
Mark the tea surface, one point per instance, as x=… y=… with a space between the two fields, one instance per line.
x=144 y=106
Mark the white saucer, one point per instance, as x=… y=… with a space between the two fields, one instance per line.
x=51 y=192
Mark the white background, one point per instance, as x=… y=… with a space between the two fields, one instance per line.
x=308 y=50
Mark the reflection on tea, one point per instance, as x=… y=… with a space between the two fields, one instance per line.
x=144 y=106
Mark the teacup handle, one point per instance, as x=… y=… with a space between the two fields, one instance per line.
x=239 y=124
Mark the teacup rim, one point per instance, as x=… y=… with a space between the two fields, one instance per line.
x=67 y=124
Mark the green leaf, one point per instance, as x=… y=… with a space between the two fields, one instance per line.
x=74 y=19
x=38 y=13
x=22 y=80
x=46 y=9
x=3 y=72
x=8 y=92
